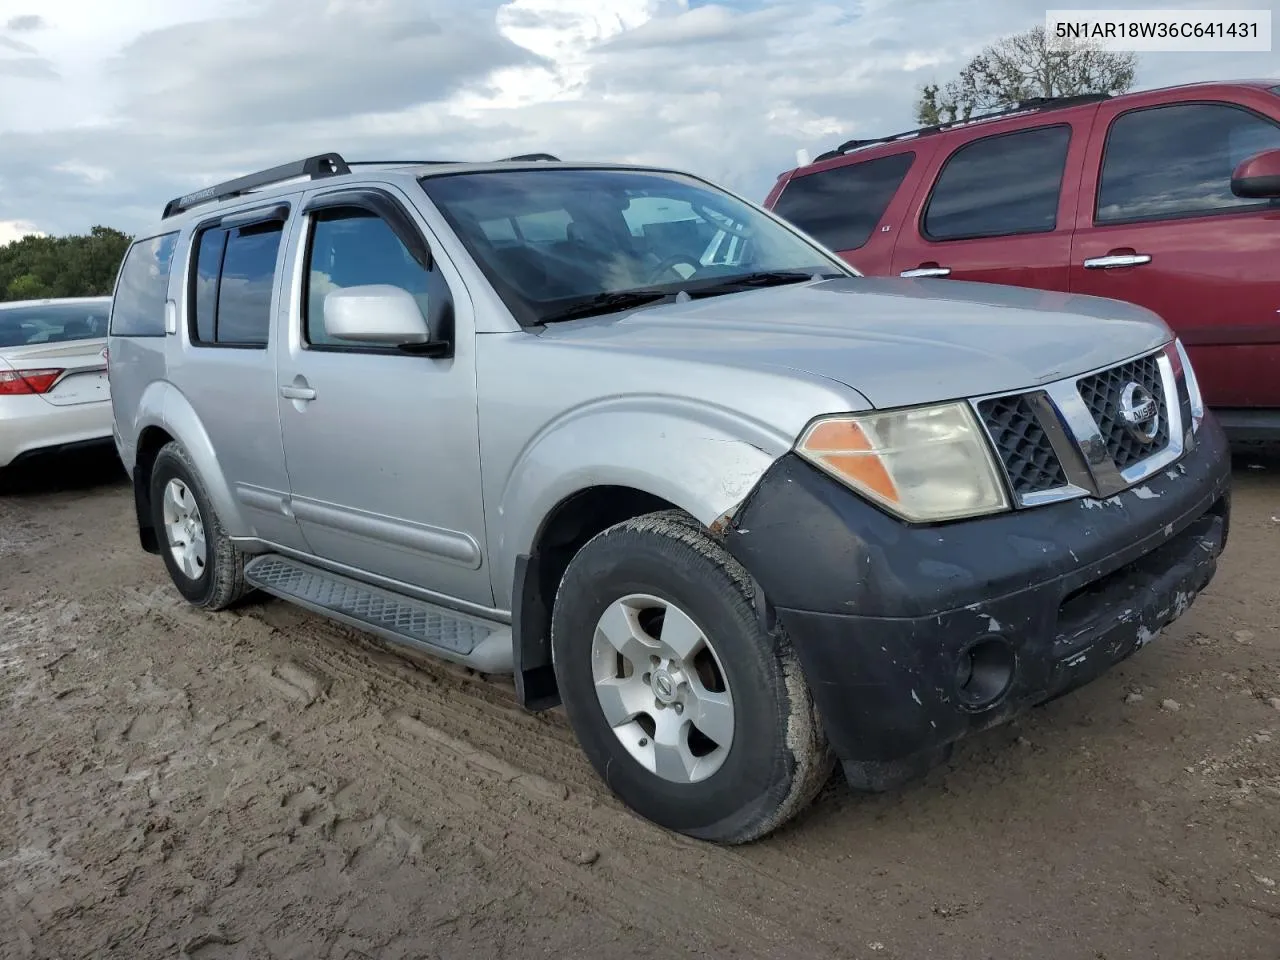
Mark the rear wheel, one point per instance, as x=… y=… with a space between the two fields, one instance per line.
x=202 y=561
x=692 y=709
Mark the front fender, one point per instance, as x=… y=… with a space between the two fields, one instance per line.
x=701 y=458
x=162 y=405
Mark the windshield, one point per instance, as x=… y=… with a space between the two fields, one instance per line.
x=548 y=239
x=52 y=323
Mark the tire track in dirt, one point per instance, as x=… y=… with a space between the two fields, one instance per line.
x=539 y=824
x=574 y=812
x=485 y=712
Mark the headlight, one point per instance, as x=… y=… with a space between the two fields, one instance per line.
x=1193 y=386
x=924 y=464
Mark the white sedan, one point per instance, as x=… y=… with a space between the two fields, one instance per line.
x=53 y=376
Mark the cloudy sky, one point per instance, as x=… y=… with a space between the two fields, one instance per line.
x=110 y=107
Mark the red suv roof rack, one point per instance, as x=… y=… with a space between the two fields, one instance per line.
x=1022 y=106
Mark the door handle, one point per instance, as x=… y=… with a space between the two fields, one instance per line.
x=293 y=392
x=923 y=271
x=1113 y=260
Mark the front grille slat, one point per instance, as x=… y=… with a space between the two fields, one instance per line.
x=1024 y=448
x=1102 y=394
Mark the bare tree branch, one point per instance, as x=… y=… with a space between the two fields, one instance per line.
x=1024 y=66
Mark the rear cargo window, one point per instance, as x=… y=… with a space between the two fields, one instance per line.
x=142 y=288
x=840 y=207
x=1000 y=186
x=52 y=323
x=1176 y=161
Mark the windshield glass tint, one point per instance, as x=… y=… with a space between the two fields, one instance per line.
x=546 y=238
x=52 y=323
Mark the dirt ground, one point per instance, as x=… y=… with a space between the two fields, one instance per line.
x=265 y=784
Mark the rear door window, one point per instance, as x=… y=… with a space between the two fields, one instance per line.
x=232 y=284
x=1176 y=161
x=54 y=323
x=841 y=207
x=142 y=288
x=1000 y=186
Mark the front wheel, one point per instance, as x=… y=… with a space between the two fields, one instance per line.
x=202 y=561
x=693 y=711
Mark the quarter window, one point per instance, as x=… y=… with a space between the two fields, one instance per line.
x=1177 y=160
x=232 y=284
x=143 y=286
x=352 y=247
x=840 y=207
x=1000 y=186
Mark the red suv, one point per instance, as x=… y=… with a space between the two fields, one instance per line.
x=1166 y=198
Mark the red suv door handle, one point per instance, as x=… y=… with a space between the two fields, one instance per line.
x=927 y=270
x=1117 y=259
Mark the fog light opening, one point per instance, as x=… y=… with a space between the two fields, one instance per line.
x=984 y=672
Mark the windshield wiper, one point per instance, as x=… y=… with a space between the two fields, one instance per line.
x=762 y=278
x=607 y=303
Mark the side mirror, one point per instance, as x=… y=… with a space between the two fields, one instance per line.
x=1258 y=178
x=381 y=315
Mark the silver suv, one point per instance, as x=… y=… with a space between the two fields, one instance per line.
x=648 y=448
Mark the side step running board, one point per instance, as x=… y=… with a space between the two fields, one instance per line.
x=481 y=644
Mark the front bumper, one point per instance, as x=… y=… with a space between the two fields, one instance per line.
x=31 y=426
x=912 y=637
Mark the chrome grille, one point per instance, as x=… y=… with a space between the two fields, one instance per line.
x=1024 y=448
x=1102 y=393
x=1094 y=435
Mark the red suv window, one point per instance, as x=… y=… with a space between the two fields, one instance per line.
x=840 y=207
x=1176 y=161
x=1000 y=186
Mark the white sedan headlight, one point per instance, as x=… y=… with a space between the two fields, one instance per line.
x=924 y=464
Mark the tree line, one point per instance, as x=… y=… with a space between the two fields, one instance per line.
x=1025 y=66
x=80 y=265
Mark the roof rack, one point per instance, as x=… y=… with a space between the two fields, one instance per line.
x=313 y=168
x=1022 y=106
x=399 y=163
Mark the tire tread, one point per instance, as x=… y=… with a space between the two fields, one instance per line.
x=228 y=585
x=810 y=759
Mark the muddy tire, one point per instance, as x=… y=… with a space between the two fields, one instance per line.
x=689 y=705
x=202 y=561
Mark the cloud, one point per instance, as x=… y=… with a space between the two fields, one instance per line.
x=728 y=89
x=26 y=23
x=293 y=62
x=11 y=230
x=701 y=25
x=29 y=65
x=8 y=43
x=28 y=68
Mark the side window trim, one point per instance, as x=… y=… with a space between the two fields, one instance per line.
x=276 y=212
x=386 y=207
x=946 y=163
x=1185 y=215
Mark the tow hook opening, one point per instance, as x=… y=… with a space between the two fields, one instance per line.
x=984 y=672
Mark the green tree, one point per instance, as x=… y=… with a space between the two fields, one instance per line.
x=1022 y=67
x=26 y=287
x=82 y=265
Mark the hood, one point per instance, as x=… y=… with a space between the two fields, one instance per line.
x=896 y=342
